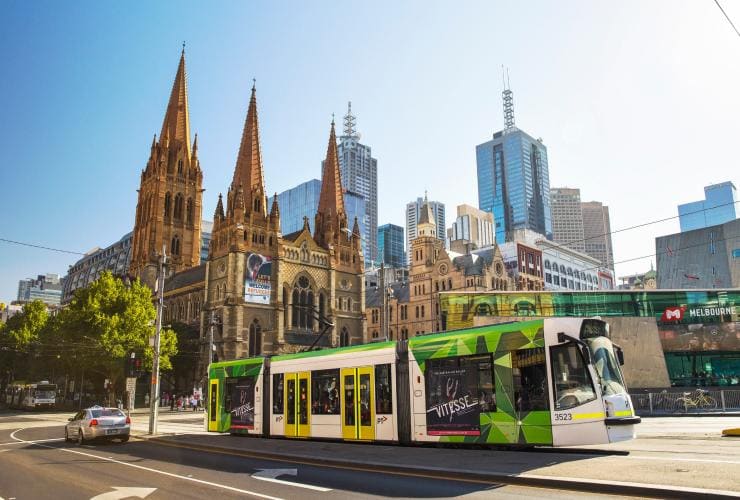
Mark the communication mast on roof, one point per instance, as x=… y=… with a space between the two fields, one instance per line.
x=508 y=98
x=350 y=123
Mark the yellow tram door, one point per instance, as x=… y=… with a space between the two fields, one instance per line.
x=297 y=397
x=213 y=409
x=358 y=405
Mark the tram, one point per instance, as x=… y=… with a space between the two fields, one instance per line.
x=547 y=382
x=31 y=396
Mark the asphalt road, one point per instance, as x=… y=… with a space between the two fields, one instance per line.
x=36 y=463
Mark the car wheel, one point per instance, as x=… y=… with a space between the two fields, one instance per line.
x=80 y=438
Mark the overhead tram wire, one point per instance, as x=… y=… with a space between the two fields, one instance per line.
x=727 y=17
x=4 y=240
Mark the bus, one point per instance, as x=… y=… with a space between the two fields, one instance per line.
x=31 y=396
x=547 y=382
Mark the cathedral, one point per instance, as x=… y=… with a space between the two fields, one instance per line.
x=259 y=292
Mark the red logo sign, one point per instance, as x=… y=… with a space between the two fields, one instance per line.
x=673 y=314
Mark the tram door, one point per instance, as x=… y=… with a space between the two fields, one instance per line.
x=358 y=405
x=297 y=407
x=213 y=409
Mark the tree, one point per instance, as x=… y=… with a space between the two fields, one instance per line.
x=107 y=320
x=19 y=339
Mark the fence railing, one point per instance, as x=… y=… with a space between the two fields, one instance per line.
x=697 y=401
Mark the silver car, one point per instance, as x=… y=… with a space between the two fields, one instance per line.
x=97 y=422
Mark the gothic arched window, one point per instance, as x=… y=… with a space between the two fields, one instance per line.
x=344 y=337
x=322 y=306
x=189 y=211
x=309 y=311
x=179 y=167
x=255 y=338
x=178 y=207
x=175 y=247
x=285 y=306
x=296 y=308
x=167 y=204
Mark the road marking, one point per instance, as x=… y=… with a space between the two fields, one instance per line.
x=270 y=475
x=32 y=442
x=148 y=469
x=682 y=459
x=121 y=492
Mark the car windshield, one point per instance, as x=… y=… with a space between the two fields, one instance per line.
x=106 y=412
x=606 y=366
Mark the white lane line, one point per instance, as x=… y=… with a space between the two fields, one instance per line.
x=682 y=459
x=32 y=442
x=270 y=475
x=148 y=469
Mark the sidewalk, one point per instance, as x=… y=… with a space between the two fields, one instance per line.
x=591 y=470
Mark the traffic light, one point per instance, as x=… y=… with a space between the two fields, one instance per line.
x=134 y=366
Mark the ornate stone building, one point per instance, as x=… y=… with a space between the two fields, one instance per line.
x=271 y=293
x=259 y=292
x=413 y=308
x=168 y=211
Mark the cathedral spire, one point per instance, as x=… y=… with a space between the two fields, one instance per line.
x=248 y=171
x=331 y=199
x=176 y=125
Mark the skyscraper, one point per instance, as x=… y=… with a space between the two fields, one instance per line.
x=46 y=287
x=513 y=179
x=359 y=171
x=597 y=232
x=303 y=201
x=717 y=207
x=390 y=245
x=567 y=218
x=413 y=211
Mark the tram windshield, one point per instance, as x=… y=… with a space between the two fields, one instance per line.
x=606 y=366
x=571 y=379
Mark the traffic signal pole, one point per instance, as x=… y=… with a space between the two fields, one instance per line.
x=154 y=394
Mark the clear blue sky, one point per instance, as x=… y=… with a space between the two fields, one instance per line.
x=637 y=102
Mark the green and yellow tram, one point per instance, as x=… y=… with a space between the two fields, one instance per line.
x=547 y=382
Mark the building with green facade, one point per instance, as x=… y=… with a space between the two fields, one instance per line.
x=678 y=338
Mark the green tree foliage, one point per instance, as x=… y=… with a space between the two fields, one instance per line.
x=25 y=328
x=107 y=320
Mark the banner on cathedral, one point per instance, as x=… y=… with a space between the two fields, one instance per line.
x=257 y=281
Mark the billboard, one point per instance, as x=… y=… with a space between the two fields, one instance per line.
x=242 y=403
x=257 y=280
x=452 y=400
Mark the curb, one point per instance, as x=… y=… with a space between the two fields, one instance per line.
x=487 y=477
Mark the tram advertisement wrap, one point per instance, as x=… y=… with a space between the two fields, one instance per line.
x=257 y=280
x=452 y=401
x=242 y=404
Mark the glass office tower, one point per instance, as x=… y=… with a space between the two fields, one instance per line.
x=718 y=207
x=514 y=183
x=390 y=245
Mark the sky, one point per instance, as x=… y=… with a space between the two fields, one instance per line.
x=636 y=101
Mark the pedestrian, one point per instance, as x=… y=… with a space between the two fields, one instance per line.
x=193 y=403
x=172 y=402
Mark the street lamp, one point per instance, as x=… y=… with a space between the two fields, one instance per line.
x=154 y=390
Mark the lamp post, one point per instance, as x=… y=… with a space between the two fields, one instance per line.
x=154 y=390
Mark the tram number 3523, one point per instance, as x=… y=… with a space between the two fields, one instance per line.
x=563 y=416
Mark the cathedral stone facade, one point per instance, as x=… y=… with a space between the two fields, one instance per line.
x=260 y=292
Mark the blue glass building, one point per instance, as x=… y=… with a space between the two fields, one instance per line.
x=303 y=201
x=390 y=245
x=514 y=183
x=718 y=207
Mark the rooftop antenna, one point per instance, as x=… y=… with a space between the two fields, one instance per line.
x=350 y=123
x=508 y=98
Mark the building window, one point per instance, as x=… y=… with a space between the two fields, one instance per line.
x=178 y=207
x=175 y=247
x=167 y=205
x=295 y=308
x=255 y=338
x=189 y=211
x=344 y=337
x=179 y=167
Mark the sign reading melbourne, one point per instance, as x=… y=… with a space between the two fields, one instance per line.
x=257 y=281
x=242 y=404
x=452 y=401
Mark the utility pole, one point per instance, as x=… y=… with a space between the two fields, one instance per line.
x=154 y=394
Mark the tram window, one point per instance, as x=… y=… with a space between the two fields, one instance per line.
x=290 y=418
x=530 y=379
x=277 y=394
x=383 y=390
x=325 y=392
x=228 y=390
x=365 y=412
x=303 y=401
x=349 y=400
x=570 y=376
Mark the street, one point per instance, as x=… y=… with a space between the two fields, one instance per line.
x=35 y=460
